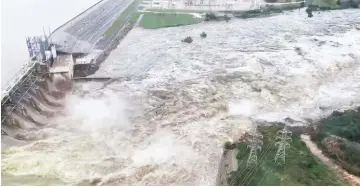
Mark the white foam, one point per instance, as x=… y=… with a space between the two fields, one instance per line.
x=242 y=107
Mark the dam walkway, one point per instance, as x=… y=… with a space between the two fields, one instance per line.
x=80 y=34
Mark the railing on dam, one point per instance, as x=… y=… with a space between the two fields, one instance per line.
x=25 y=69
x=27 y=77
x=32 y=80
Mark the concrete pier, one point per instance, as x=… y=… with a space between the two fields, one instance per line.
x=63 y=64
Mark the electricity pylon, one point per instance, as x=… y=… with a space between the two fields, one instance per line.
x=255 y=145
x=283 y=137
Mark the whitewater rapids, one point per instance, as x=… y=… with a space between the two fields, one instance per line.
x=165 y=117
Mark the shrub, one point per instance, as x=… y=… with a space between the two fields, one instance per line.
x=229 y=145
x=210 y=16
x=353 y=4
x=227 y=18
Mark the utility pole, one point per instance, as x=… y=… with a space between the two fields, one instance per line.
x=283 y=136
x=255 y=145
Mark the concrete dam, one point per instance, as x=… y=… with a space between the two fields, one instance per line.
x=70 y=53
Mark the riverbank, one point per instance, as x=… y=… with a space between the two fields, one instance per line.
x=301 y=167
x=353 y=180
x=332 y=153
x=338 y=136
x=161 y=18
x=155 y=20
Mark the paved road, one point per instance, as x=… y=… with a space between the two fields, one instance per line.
x=82 y=33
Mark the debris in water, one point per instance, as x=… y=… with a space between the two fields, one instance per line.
x=187 y=39
x=227 y=18
x=309 y=12
x=298 y=51
x=203 y=35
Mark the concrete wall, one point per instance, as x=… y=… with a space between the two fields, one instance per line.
x=89 y=69
x=18 y=89
x=34 y=69
x=228 y=164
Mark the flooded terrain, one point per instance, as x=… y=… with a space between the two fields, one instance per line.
x=163 y=118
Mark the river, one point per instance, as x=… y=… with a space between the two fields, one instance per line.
x=165 y=117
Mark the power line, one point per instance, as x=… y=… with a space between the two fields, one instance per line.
x=265 y=177
x=241 y=170
x=283 y=135
x=263 y=156
x=254 y=170
x=251 y=172
x=255 y=145
x=281 y=152
x=283 y=144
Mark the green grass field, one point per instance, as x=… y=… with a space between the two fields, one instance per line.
x=177 y=10
x=160 y=20
x=300 y=168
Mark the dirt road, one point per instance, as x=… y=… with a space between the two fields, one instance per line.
x=354 y=180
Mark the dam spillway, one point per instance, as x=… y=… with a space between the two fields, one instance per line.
x=37 y=92
x=32 y=101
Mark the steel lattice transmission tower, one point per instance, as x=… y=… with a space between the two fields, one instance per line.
x=255 y=145
x=283 y=136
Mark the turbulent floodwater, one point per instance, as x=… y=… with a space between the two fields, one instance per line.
x=164 y=119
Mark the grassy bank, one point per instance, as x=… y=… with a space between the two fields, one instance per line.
x=153 y=20
x=122 y=18
x=339 y=138
x=177 y=10
x=334 y=4
x=301 y=167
